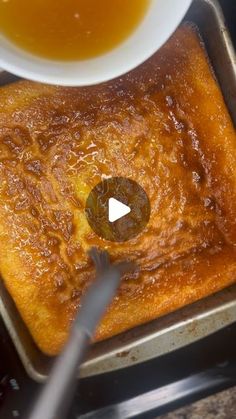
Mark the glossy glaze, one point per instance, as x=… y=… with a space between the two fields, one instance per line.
x=164 y=125
x=70 y=29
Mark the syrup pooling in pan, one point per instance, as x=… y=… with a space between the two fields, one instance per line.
x=160 y=125
x=70 y=29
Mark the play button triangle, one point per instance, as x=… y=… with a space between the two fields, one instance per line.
x=117 y=210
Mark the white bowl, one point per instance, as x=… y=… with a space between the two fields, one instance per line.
x=159 y=23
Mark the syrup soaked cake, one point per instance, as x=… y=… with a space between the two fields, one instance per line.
x=164 y=125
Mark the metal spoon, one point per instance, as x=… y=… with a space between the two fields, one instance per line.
x=57 y=394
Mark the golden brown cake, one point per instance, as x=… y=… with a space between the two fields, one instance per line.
x=164 y=125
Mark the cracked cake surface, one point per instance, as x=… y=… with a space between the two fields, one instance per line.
x=165 y=125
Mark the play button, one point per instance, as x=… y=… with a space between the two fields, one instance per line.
x=117 y=209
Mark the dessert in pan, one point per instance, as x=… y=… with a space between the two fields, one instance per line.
x=165 y=125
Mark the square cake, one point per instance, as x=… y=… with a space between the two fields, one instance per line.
x=165 y=125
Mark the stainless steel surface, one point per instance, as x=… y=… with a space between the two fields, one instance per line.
x=186 y=325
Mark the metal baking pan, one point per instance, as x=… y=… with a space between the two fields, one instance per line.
x=185 y=325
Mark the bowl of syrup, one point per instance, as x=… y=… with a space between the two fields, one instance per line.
x=83 y=42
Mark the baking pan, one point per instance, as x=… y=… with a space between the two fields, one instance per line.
x=185 y=325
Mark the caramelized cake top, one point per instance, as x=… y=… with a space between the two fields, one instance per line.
x=166 y=126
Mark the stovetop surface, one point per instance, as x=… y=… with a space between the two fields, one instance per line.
x=178 y=378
